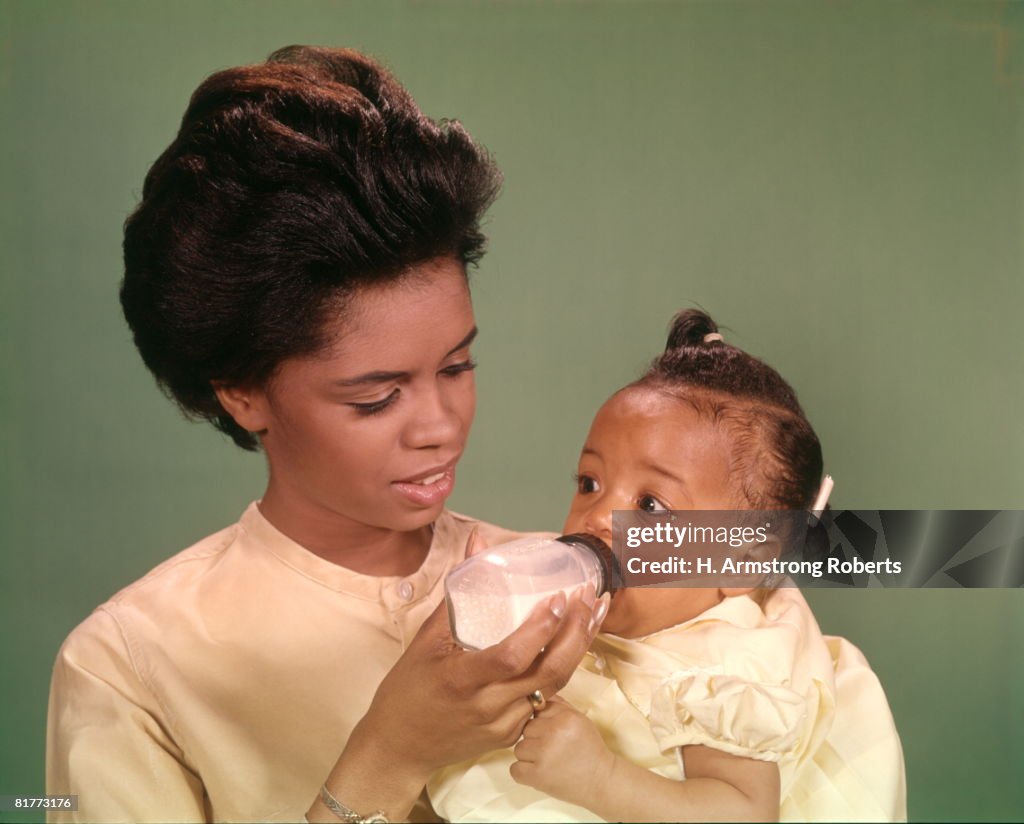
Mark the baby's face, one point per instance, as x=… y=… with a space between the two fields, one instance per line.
x=647 y=450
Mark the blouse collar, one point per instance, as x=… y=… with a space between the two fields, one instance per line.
x=444 y=548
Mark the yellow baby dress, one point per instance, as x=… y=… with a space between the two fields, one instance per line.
x=760 y=683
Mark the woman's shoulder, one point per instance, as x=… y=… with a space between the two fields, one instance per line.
x=165 y=585
x=184 y=567
x=189 y=562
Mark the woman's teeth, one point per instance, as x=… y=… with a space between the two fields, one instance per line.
x=432 y=479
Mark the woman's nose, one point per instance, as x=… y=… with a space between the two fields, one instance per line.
x=435 y=422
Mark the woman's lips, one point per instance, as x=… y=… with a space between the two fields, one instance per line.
x=430 y=489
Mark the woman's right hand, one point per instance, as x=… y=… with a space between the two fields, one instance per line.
x=441 y=704
x=480 y=695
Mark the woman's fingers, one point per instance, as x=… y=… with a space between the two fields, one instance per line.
x=553 y=709
x=551 y=670
x=555 y=706
x=436 y=633
x=600 y=613
x=517 y=653
x=473 y=701
x=508 y=724
x=475 y=544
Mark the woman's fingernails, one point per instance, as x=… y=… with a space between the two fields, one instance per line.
x=600 y=611
x=558 y=604
x=474 y=544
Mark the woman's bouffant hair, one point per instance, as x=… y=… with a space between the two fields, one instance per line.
x=776 y=461
x=290 y=185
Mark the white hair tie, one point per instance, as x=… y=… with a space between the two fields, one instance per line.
x=821 y=501
x=710 y=337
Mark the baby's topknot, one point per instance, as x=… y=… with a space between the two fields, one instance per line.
x=690 y=328
x=717 y=367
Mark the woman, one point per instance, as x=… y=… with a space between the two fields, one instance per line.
x=296 y=275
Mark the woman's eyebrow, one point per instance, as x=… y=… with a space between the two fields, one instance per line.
x=372 y=377
x=466 y=341
x=385 y=377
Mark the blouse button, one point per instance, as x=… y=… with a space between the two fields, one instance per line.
x=405 y=591
x=599 y=663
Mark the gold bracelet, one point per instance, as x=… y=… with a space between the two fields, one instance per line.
x=347 y=814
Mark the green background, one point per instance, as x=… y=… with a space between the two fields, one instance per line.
x=840 y=184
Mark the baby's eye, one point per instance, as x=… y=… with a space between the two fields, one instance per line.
x=648 y=503
x=585 y=484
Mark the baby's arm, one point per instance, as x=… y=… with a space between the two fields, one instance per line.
x=561 y=753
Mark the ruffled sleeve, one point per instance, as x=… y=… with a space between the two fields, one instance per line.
x=750 y=683
x=729 y=713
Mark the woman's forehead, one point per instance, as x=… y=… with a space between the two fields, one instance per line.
x=429 y=307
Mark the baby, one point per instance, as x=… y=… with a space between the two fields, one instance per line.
x=698 y=704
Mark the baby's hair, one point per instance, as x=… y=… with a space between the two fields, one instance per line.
x=776 y=459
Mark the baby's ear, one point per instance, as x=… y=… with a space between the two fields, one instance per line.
x=761 y=553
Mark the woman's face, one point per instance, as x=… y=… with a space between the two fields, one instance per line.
x=370 y=430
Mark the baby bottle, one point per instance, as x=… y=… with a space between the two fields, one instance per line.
x=490 y=594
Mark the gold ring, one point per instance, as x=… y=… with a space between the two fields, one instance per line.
x=537 y=700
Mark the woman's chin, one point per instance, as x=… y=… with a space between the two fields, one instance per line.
x=411 y=520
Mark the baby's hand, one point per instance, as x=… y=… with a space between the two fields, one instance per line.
x=561 y=753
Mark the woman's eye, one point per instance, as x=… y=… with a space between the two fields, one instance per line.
x=459 y=368
x=585 y=484
x=648 y=503
x=374 y=407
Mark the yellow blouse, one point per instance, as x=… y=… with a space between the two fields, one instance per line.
x=760 y=684
x=224 y=684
